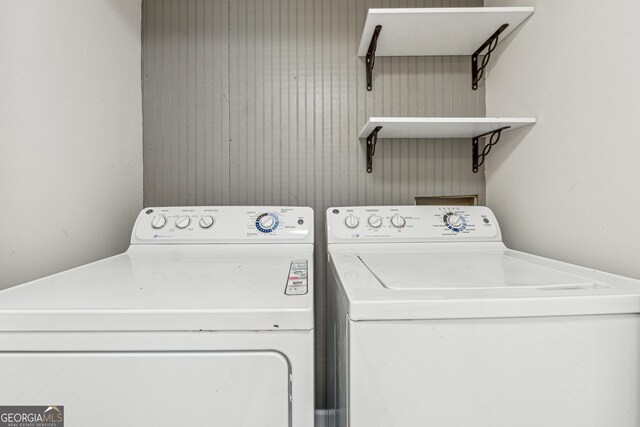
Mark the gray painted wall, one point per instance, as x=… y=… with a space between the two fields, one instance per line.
x=261 y=101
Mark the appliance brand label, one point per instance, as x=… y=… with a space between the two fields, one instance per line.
x=32 y=416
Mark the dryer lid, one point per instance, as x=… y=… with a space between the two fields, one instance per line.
x=165 y=288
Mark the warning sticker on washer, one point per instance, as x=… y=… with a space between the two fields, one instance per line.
x=297 y=282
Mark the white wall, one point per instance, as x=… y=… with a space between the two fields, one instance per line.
x=569 y=187
x=70 y=133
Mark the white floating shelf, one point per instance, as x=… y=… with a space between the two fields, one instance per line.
x=437 y=31
x=471 y=31
x=439 y=127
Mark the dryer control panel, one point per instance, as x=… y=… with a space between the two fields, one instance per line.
x=411 y=223
x=224 y=224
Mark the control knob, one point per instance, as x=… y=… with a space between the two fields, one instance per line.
x=375 y=221
x=206 y=221
x=398 y=221
x=267 y=222
x=455 y=221
x=183 y=222
x=158 y=221
x=351 y=221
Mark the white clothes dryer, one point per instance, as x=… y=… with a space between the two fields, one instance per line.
x=207 y=320
x=434 y=322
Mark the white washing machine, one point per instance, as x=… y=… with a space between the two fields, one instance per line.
x=436 y=323
x=206 y=320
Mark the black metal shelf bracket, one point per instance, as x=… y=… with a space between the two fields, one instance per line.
x=372 y=139
x=491 y=43
x=371 y=56
x=494 y=137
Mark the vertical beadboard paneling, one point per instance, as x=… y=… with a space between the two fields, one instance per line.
x=186 y=102
x=261 y=102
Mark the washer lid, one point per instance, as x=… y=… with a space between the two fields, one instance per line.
x=474 y=282
x=469 y=270
x=163 y=288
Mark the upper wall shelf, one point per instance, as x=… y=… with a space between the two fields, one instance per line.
x=438 y=32
x=440 y=127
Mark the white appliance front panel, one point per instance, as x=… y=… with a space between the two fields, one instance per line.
x=152 y=388
x=223 y=224
x=531 y=372
x=296 y=346
x=388 y=224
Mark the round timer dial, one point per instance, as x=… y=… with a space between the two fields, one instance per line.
x=454 y=222
x=267 y=222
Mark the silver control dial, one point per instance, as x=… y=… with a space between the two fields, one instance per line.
x=206 y=221
x=351 y=221
x=455 y=221
x=375 y=221
x=183 y=222
x=267 y=221
x=398 y=221
x=158 y=221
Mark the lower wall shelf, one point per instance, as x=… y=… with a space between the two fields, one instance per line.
x=440 y=127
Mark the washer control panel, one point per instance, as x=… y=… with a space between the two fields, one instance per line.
x=411 y=223
x=224 y=224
